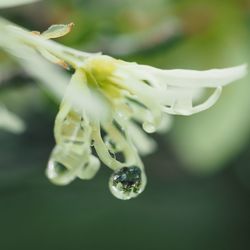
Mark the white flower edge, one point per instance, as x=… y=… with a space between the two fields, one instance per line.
x=191 y=78
x=176 y=90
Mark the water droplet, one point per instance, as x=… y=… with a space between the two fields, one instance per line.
x=58 y=173
x=149 y=127
x=127 y=182
x=89 y=169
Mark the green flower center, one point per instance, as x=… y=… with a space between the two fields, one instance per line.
x=100 y=74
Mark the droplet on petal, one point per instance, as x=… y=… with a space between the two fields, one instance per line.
x=149 y=127
x=127 y=182
x=58 y=173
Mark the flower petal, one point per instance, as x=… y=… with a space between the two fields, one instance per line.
x=176 y=90
x=193 y=78
x=183 y=105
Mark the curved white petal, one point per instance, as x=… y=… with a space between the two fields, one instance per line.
x=184 y=105
x=191 y=78
x=177 y=89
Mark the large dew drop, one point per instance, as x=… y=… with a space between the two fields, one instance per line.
x=127 y=182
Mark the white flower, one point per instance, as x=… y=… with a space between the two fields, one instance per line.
x=129 y=95
x=110 y=105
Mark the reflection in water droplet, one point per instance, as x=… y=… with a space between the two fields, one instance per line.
x=89 y=169
x=58 y=173
x=149 y=127
x=127 y=182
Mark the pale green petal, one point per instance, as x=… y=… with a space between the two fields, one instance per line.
x=183 y=104
x=102 y=150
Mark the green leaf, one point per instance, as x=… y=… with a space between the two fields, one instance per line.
x=206 y=142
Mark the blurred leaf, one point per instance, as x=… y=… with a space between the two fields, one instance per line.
x=206 y=142
x=13 y=3
x=10 y=121
x=141 y=42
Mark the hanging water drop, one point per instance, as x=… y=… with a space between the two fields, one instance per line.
x=63 y=165
x=71 y=155
x=127 y=182
x=58 y=173
x=149 y=127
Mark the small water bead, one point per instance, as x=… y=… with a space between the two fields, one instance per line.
x=58 y=173
x=127 y=182
x=149 y=127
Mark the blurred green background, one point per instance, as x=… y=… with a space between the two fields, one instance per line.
x=198 y=192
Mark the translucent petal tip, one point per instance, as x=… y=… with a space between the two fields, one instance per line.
x=198 y=79
x=235 y=73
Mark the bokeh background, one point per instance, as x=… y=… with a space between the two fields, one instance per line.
x=198 y=192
